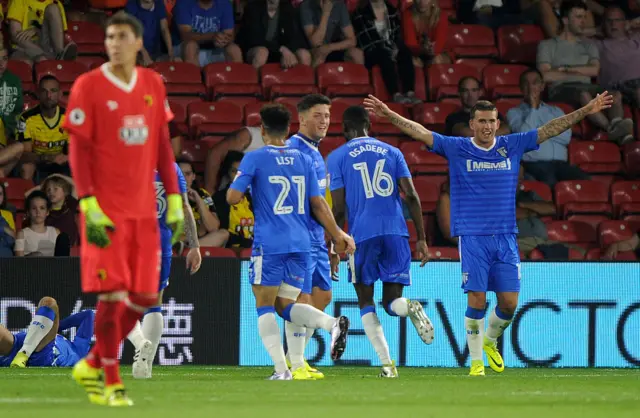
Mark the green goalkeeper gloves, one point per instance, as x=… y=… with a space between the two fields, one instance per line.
x=96 y=222
x=175 y=216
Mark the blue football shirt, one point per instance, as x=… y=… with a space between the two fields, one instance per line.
x=282 y=181
x=369 y=171
x=483 y=182
x=161 y=202
x=306 y=146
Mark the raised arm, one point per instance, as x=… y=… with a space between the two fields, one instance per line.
x=559 y=125
x=410 y=128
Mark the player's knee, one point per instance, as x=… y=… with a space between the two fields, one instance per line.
x=477 y=300
x=508 y=308
x=322 y=299
x=304 y=298
x=48 y=301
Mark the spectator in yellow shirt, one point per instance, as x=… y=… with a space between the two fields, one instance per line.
x=37 y=30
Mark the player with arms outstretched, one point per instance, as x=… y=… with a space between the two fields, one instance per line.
x=146 y=336
x=117 y=122
x=483 y=171
x=366 y=177
x=284 y=191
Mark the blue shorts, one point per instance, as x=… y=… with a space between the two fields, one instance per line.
x=58 y=353
x=320 y=270
x=205 y=56
x=490 y=263
x=165 y=270
x=385 y=257
x=274 y=269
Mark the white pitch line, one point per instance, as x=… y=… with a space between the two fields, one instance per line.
x=37 y=400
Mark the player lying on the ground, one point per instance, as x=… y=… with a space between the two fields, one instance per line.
x=367 y=176
x=284 y=191
x=483 y=174
x=146 y=337
x=42 y=345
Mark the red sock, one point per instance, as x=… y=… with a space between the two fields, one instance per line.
x=108 y=338
x=93 y=358
x=133 y=310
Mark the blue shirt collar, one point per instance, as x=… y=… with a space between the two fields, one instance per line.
x=316 y=144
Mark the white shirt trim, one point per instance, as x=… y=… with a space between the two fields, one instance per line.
x=481 y=148
x=306 y=142
x=127 y=88
x=278 y=146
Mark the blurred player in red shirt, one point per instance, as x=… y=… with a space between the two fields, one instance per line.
x=117 y=122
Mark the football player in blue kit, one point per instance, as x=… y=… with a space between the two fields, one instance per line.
x=42 y=345
x=366 y=178
x=284 y=190
x=483 y=173
x=314 y=114
x=146 y=336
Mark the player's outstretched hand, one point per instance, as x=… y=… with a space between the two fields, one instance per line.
x=175 y=216
x=194 y=260
x=344 y=243
x=600 y=102
x=97 y=223
x=423 y=252
x=376 y=106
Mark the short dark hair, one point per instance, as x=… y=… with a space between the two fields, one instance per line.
x=356 y=118
x=482 y=106
x=276 y=119
x=36 y=194
x=465 y=79
x=229 y=159
x=568 y=5
x=47 y=77
x=184 y=160
x=523 y=76
x=124 y=18
x=311 y=100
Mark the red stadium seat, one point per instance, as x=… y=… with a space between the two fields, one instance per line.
x=252 y=115
x=15 y=188
x=181 y=78
x=595 y=156
x=447 y=74
x=625 y=196
x=422 y=161
x=296 y=81
x=444 y=253
x=592 y=220
x=65 y=71
x=91 y=61
x=539 y=187
x=337 y=111
x=382 y=126
x=500 y=92
x=218 y=118
x=24 y=72
x=576 y=130
x=582 y=196
x=391 y=140
x=380 y=90
x=434 y=115
x=240 y=101
x=519 y=43
x=614 y=231
x=343 y=79
x=29 y=102
x=245 y=253
x=631 y=153
x=598 y=254
x=570 y=231
x=501 y=75
x=195 y=151
x=217 y=252
x=503 y=105
x=471 y=41
x=477 y=63
x=330 y=143
x=428 y=191
x=88 y=36
x=234 y=79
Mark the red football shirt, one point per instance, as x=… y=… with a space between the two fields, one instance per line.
x=123 y=125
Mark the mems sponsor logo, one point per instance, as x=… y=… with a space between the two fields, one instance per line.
x=489 y=166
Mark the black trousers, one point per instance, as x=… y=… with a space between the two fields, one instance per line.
x=392 y=70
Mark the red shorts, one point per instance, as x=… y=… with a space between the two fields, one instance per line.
x=131 y=263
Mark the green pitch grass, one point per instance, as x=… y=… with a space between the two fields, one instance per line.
x=191 y=392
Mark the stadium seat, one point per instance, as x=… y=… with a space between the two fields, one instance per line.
x=181 y=78
x=91 y=61
x=330 y=143
x=15 y=189
x=296 y=81
x=519 y=43
x=24 y=72
x=429 y=192
x=380 y=89
x=233 y=79
x=571 y=231
x=88 y=36
x=625 y=196
x=506 y=91
x=501 y=75
x=245 y=253
x=337 y=111
x=444 y=253
x=343 y=79
x=471 y=41
x=592 y=220
x=595 y=156
x=195 y=151
x=28 y=101
x=631 y=156
x=217 y=252
x=448 y=94
x=391 y=140
x=477 y=63
x=576 y=130
x=382 y=126
x=434 y=115
x=614 y=231
x=597 y=254
x=422 y=161
x=219 y=118
x=240 y=101
x=539 y=187
x=447 y=74
x=582 y=196
x=252 y=115
x=65 y=71
x=503 y=105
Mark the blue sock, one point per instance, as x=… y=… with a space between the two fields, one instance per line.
x=474 y=313
x=154 y=309
x=367 y=309
x=503 y=315
x=286 y=312
x=264 y=310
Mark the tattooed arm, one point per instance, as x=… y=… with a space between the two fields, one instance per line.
x=190 y=228
x=561 y=124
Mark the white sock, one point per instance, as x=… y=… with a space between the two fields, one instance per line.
x=270 y=335
x=136 y=336
x=475 y=336
x=296 y=339
x=308 y=337
x=496 y=326
x=400 y=307
x=374 y=332
x=39 y=327
x=310 y=317
x=152 y=327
